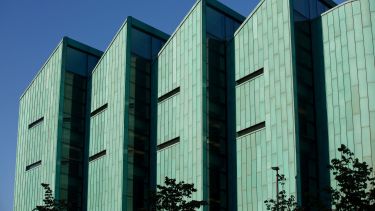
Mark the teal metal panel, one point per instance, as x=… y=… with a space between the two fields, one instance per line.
x=115 y=179
x=183 y=64
x=264 y=41
x=41 y=99
x=105 y=175
x=180 y=65
x=42 y=142
x=348 y=48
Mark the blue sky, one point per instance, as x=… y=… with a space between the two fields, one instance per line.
x=30 y=30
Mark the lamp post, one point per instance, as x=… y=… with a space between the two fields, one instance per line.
x=276 y=168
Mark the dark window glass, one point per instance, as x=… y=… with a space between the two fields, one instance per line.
x=33 y=165
x=98 y=110
x=36 y=122
x=141 y=44
x=97 y=155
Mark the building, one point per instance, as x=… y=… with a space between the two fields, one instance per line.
x=192 y=106
x=51 y=128
x=121 y=170
x=218 y=104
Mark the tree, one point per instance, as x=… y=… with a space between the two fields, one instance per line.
x=174 y=196
x=50 y=203
x=283 y=202
x=355 y=188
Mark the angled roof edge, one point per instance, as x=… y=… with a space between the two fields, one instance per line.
x=330 y=2
x=110 y=44
x=82 y=46
x=40 y=69
x=147 y=28
x=138 y=24
x=69 y=41
x=179 y=26
x=248 y=17
x=226 y=10
x=336 y=7
x=213 y=3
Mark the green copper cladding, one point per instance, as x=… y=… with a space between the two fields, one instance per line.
x=42 y=147
x=348 y=41
x=180 y=65
x=186 y=81
x=265 y=104
x=217 y=104
x=120 y=141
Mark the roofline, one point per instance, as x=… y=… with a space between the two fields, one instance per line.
x=248 y=17
x=330 y=2
x=337 y=6
x=212 y=3
x=82 y=46
x=68 y=41
x=225 y=9
x=149 y=29
x=179 y=26
x=137 y=24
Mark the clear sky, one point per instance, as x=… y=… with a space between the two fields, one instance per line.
x=31 y=29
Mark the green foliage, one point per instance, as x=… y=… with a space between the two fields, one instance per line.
x=50 y=203
x=174 y=196
x=355 y=184
x=283 y=202
x=355 y=189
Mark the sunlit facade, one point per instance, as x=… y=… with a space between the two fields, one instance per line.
x=218 y=103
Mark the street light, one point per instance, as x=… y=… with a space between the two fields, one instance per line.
x=276 y=168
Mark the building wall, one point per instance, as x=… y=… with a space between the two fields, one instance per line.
x=348 y=33
x=47 y=119
x=105 y=188
x=120 y=179
x=181 y=115
x=264 y=40
x=41 y=99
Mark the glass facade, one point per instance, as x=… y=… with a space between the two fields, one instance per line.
x=217 y=104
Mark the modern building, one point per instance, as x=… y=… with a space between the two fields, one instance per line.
x=192 y=134
x=220 y=103
x=51 y=129
x=121 y=167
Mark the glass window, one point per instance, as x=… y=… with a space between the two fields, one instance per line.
x=215 y=23
x=76 y=61
x=141 y=44
x=91 y=63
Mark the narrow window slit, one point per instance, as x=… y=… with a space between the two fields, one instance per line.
x=250 y=76
x=97 y=155
x=251 y=129
x=33 y=165
x=98 y=110
x=168 y=143
x=36 y=122
x=169 y=94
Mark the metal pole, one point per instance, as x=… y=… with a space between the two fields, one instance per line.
x=276 y=168
x=277 y=188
